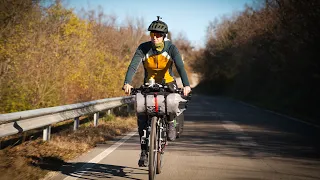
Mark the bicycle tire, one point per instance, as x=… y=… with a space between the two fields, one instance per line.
x=159 y=162
x=159 y=154
x=180 y=124
x=153 y=149
x=177 y=128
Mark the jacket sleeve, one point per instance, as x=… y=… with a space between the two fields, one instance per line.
x=179 y=65
x=134 y=65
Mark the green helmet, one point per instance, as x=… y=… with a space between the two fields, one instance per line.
x=159 y=26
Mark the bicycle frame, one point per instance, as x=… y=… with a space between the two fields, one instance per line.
x=157 y=139
x=155 y=136
x=156 y=144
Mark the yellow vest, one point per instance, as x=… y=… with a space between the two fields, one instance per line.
x=157 y=67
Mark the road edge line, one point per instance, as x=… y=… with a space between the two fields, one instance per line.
x=103 y=154
x=276 y=113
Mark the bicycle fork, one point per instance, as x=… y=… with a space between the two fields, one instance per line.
x=162 y=135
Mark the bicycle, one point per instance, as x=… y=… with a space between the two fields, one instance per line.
x=158 y=102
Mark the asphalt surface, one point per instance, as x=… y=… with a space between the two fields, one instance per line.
x=223 y=139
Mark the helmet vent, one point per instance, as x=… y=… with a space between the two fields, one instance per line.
x=158 y=25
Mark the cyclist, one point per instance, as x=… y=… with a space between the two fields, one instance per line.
x=157 y=57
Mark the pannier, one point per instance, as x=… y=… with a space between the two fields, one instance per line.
x=165 y=104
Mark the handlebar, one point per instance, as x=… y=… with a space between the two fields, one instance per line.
x=159 y=88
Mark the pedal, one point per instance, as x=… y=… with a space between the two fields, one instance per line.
x=143 y=141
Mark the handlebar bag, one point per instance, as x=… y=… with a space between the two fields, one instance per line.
x=166 y=104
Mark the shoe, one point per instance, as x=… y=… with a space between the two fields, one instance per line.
x=143 y=161
x=172 y=131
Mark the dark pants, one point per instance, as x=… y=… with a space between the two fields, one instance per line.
x=142 y=124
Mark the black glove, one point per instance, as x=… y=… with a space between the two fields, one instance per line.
x=172 y=86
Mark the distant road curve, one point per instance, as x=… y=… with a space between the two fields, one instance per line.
x=194 y=80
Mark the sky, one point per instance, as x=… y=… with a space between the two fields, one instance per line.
x=189 y=17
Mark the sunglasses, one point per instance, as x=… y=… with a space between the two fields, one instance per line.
x=156 y=34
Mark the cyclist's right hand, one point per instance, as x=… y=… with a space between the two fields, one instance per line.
x=127 y=88
x=186 y=90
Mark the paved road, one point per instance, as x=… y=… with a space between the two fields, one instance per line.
x=194 y=80
x=223 y=139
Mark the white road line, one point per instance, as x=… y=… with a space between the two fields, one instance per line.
x=241 y=136
x=232 y=127
x=199 y=115
x=272 y=112
x=211 y=113
x=292 y=118
x=102 y=155
x=207 y=103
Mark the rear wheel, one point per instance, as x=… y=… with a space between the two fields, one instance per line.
x=180 y=123
x=159 y=162
x=153 y=149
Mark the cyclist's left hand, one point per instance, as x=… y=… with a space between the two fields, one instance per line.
x=127 y=88
x=186 y=90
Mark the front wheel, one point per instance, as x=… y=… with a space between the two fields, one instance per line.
x=153 y=149
x=161 y=139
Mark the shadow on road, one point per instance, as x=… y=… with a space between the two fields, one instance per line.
x=84 y=170
x=87 y=170
x=220 y=125
x=298 y=153
x=208 y=136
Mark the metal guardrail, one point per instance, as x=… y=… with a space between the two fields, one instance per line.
x=14 y=123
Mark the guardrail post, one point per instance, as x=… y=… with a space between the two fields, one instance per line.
x=128 y=108
x=95 y=119
x=46 y=133
x=76 y=123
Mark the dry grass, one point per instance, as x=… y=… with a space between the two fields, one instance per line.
x=29 y=159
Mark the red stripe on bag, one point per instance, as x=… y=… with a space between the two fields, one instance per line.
x=156 y=102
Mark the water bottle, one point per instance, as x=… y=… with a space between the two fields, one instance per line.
x=151 y=81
